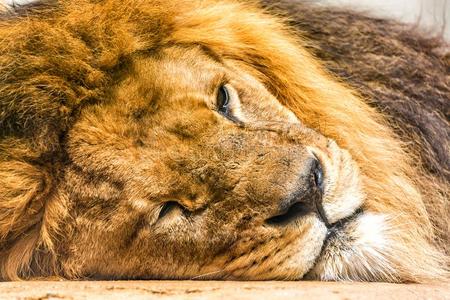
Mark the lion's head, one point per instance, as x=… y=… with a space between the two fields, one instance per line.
x=194 y=168
x=168 y=140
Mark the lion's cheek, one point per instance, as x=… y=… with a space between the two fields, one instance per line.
x=307 y=249
x=300 y=255
x=286 y=256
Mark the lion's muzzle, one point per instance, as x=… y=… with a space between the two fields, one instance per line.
x=306 y=199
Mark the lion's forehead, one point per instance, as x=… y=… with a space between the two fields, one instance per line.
x=188 y=77
x=177 y=70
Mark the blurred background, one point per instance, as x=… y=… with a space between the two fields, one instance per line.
x=431 y=15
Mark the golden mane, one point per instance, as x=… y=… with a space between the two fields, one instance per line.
x=62 y=57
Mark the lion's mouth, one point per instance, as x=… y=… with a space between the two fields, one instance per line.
x=338 y=226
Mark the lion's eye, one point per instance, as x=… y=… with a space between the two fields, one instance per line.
x=223 y=100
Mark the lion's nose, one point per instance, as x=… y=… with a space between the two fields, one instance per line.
x=307 y=198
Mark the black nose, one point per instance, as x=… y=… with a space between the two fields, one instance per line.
x=307 y=198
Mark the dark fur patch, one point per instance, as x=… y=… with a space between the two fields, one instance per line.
x=402 y=73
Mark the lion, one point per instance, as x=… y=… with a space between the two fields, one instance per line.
x=220 y=139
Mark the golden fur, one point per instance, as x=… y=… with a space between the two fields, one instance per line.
x=101 y=124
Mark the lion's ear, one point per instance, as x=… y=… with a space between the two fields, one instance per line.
x=22 y=191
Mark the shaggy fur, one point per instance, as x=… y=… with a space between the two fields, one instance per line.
x=398 y=70
x=73 y=75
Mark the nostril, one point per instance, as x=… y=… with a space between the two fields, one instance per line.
x=317 y=173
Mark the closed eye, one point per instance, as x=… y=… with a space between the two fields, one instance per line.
x=171 y=207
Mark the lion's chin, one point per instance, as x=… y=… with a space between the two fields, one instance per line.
x=353 y=249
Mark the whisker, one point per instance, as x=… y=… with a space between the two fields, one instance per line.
x=207 y=274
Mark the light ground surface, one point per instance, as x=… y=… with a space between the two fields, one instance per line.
x=226 y=290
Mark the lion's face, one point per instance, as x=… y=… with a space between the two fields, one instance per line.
x=193 y=169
